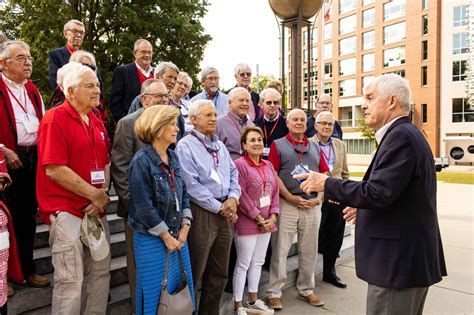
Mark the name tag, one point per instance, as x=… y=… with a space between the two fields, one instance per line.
x=266 y=151
x=265 y=201
x=31 y=124
x=97 y=176
x=215 y=176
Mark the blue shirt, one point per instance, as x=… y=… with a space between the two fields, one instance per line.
x=220 y=101
x=199 y=167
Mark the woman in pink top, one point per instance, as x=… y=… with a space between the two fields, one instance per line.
x=258 y=210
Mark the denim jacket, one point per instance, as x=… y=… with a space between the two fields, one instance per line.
x=152 y=201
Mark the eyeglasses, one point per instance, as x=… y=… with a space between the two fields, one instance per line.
x=92 y=85
x=325 y=124
x=90 y=66
x=22 y=58
x=75 y=32
x=158 y=95
x=145 y=52
x=182 y=83
x=269 y=103
x=243 y=74
x=212 y=79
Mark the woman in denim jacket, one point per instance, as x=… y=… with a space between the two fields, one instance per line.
x=159 y=208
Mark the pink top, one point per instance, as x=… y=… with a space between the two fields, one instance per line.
x=251 y=184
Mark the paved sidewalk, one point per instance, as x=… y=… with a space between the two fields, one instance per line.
x=454 y=295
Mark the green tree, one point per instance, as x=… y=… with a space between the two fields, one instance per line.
x=367 y=132
x=112 y=26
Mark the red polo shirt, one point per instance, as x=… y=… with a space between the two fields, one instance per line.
x=63 y=140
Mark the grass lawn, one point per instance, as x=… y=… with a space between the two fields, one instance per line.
x=447 y=177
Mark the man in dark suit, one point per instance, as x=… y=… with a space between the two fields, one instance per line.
x=74 y=33
x=398 y=247
x=243 y=76
x=127 y=79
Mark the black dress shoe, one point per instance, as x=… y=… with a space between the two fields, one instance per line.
x=335 y=281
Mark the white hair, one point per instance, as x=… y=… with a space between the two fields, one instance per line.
x=69 y=23
x=326 y=113
x=206 y=71
x=273 y=91
x=6 y=48
x=294 y=111
x=185 y=75
x=195 y=107
x=138 y=42
x=162 y=67
x=233 y=93
x=78 y=54
x=241 y=66
x=392 y=84
x=72 y=76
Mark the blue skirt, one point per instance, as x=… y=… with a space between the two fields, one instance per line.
x=150 y=260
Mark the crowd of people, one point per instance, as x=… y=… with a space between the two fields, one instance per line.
x=207 y=184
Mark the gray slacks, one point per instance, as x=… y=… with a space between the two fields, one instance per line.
x=392 y=301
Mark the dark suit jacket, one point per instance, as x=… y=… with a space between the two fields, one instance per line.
x=397 y=239
x=125 y=145
x=255 y=99
x=125 y=87
x=57 y=58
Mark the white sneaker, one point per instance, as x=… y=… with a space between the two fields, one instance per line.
x=259 y=307
x=241 y=311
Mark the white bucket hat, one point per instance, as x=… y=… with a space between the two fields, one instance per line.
x=93 y=236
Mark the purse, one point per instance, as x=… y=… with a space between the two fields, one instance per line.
x=180 y=302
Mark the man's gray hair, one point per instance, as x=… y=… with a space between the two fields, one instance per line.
x=324 y=114
x=162 y=67
x=392 y=84
x=294 y=111
x=6 y=48
x=138 y=42
x=206 y=71
x=183 y=74
x=266 y=91
x=195 y=108
x=239 y=67
x=69 y=24
x=233 y=93
x=72 y=76
x=78 y=54
x=147 y=83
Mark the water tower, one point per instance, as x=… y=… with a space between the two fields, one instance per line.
x=294 y=15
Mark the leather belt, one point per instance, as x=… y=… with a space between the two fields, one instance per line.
x=27 y=148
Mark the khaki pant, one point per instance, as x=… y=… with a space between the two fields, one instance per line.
x=81 y=285
x=304 y=223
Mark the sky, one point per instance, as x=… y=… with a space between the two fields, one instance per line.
x=242 y=31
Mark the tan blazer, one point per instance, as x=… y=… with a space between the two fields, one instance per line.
x=340 y=169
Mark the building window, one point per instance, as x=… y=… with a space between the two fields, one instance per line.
x=424 y=4
x=424 y=75
x=347 y=66
x=366 y=81
x=368 y=40
x=368 y=62
x=399 y=72
x=347 y=87
x=314 y=54
x=327 y=31
x=305 y=56
x=313 y=73
x=328 y=70
x=424 y=113
x=305 y=92
x=393 y=9
x=460 y=43
x=347 y=24
x=327 y=51
x=462 y=111
x=345 y=116
x=460 y=16
x=347 y=45
x=359 y=146
x=368 y=18
x=328 y=88
x=424 y=26
x=394 y=33
x=394 y=57
x=424 y=50
x=459 y=70
x=367 y=2
x=347 y=5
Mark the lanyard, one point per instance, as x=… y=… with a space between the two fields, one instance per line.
x=91 y=143
x=17 y=100
x=170 y=177
x=233 y=123
x=260 y=170
x=273 y=129
x=327 y=157
x=215 y=155
x=300 y=155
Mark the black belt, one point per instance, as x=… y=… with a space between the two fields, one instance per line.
x=27 y=148
x=221 y=200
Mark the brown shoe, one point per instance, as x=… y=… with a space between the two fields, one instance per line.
x=37 y=281
x=11 y=291
x=275 y=303
x=312 y=299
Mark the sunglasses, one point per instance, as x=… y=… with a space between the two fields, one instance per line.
x=269 y=103
x=90 y=66
x=244 y=74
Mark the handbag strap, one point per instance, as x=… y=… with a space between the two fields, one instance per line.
x=181 y=265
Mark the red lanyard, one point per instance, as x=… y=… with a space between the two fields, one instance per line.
x=170 y=177
x=91 y=143
x=18 y=101
x=328 y=157
x=232 y=120
x=273 y=129
x=300 y=155
x=215 y=155
x=260 y=170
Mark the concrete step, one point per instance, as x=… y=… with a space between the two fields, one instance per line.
x=27 y=299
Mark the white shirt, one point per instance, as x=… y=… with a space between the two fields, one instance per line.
x=382 y=131
x=19 y=91
x=145 y=73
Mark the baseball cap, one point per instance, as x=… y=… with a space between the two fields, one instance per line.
x=93 y=236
